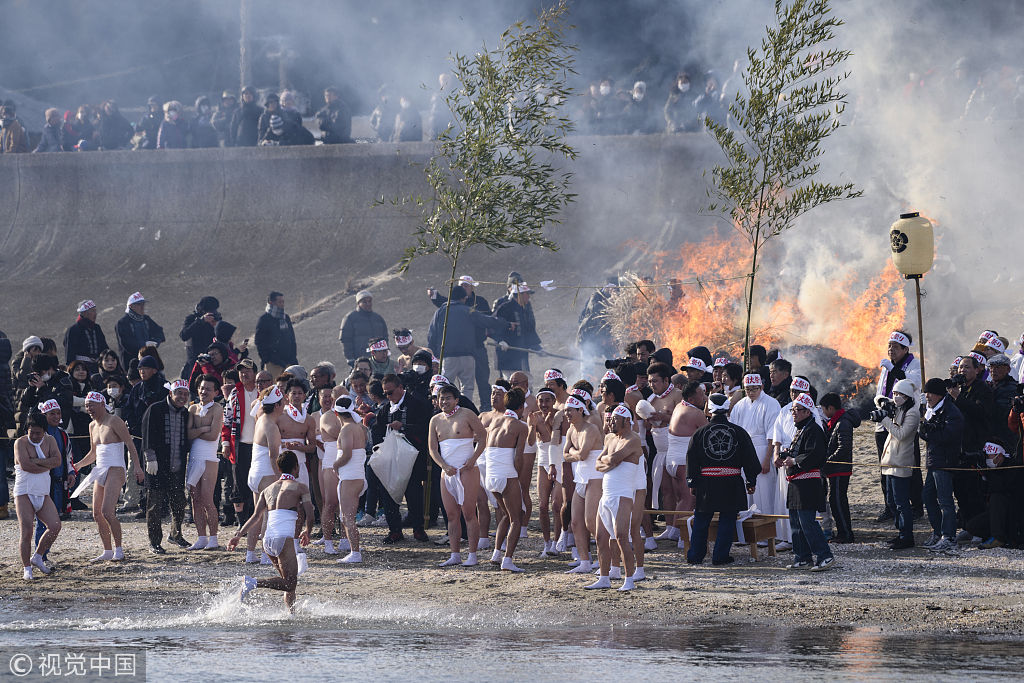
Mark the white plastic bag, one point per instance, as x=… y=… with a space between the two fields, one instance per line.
x=392 y=461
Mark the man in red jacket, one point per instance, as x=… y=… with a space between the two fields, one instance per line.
x=237 y=435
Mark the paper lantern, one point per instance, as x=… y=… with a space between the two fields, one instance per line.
x=912 y=241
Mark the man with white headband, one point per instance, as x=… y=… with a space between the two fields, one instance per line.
x=35 y=455
x=84 y=340
x=521 y=381
x=456 y=439
x=499 y=390
x=165 y=446
x=619 y=463
x=664 y=399
x=803 y=462
x=720 y=456
x=773 y=501
x=687 y=417
x=584 y=444
x=756 y=413
x=136 y=330
x=108 y=435
x=381 y=362
x=999 y=523
x=407 y=347
x=898 y=364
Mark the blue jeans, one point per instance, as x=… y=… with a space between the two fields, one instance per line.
x=808 y=538
x=5 y=453
x=938 y=501
x=699 y=536
x=898 y=497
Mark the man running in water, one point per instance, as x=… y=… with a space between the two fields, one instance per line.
x=281 y=501
x=456 y=440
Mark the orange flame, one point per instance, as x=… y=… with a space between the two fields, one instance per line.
x=853 y=314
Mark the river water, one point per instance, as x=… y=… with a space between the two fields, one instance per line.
x=225 y=640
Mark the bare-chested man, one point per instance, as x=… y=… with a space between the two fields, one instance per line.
x=108 y=435
x=205 y=420
x=548 y=425
x=456 y=439
x=35 y=454
x=521 y=381
x=266 y=447
x=687 y=417
x=280 y=501
x=664 y=399
x=330 y=428
x=351 y=472
x=506 y=438
x=555 y=381
x=499 y=390
x=583 y=446
x=298 y=429
x=620 y=463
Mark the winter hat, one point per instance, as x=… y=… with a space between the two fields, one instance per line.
x=30 y=342
x=905 y=387
x=999 y=359
x=86 y=305
x=935 y=386
x=148 y=362
x=363 y=294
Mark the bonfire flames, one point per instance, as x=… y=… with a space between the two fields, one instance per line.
x=834 y=330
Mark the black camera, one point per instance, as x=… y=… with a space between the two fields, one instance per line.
x=885 y=408
x=958 y=380
x=203 y=358
x=1018 y=404
x=613 y=363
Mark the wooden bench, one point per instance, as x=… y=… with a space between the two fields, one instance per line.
x=755 y=529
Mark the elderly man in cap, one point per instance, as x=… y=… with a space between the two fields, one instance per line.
x=136 y=330
x=165 y=448
x=522 y=333
x=84 y=340
x=360 y=326
x=479 y=304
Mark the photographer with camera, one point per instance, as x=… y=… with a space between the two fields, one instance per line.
x=1004 y=390
x=900 y=419
x=973 y=398
x=942 y=428
x=899 y=364
x=198 y=331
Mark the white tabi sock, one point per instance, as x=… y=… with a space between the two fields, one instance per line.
x=105 y=555
x=650 y=544
x=483 y=544
x=496 y=556
x=455 y=559
x=506 y=565
x=200 y=544
x=344 y=544
x=471 y=560
x=584 y=568
x=628 y=584
x=639 y=574
x=560 y=544
x=329 y=547
x=250 y=556
x=265 y=559
x=27 y=574
x=37 y=560
x=303 y=563
x=211 y=542
x=354 y=557
x=615 y=573
x=118 y=553
x=602 y=582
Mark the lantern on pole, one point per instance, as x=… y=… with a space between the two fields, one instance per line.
x=912 y=241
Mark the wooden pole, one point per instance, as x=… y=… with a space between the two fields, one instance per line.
x=920 y=331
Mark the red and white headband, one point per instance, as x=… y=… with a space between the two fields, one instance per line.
x=899 y=338
x=978 y=357
x=805 y=401
x=94 y=397
x=439 y=379
x=752 y=380
x=721 y=362
x=607 y=376
x=573 y=402
x=995 y=343
x=176 y=384
x=47 y=406
x=403 y=341
x=800 y=384
x=273 y=396
x=583 y=394
x=985 y=336
x=994 y=449
x=555 y=374
x=695 y=364
x=379 y=345
x=86 y=305
x=623 y=412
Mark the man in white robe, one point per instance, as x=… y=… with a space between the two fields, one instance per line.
x=756 y=413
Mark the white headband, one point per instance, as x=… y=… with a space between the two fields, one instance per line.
x=800 y=384
x=752 y=380
x=899 y=338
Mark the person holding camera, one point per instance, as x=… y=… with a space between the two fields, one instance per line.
x=942 y=428
x=1004 y=390
x=900 y=421
x=899 y=364
x=973 y=397
x=198 y=331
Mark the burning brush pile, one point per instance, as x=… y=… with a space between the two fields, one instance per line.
x=833 y=330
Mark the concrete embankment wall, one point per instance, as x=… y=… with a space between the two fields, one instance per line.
x=236 y=223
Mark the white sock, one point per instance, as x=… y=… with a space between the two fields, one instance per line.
x=344 y=544
x=496 y=556
x=471 y=560
x=250 y=556
x=522 y=532
x=506 y=565
x=329 y=547
x=584 y=568
x=37 y=560
x=303 y=563
x=628 y=584
x=639 y=574
x=615 y=573
x=105 y=555
x=211 y=542
x=570 y=540
x=575 y=553
x=118 y=553
x=650 y=544
x=296 y=542
x=455 y=559
x=27 y=574
x=680 y=544
x=265 y=559
x=200 y=543
x=602 y=582
x=354 y=557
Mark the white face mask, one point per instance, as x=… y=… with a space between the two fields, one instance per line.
x=114 y=392
x=45 y=377
x=421 y=369
x=638 y=96
x=605 y=90
x=899 y=399
x=683 y=87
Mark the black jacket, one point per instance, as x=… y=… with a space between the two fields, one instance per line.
x=839 y=445
x=115 y=131
x=465 y=326
x=141 y=397
x=245 y=124
x=414 y=414
x=156 y=443
x=84 y=339
x=57 y=387
x=150 y=125
x=944 y=434
x=1002 y=401
x=132 y=334
x=781 y=392
x=475 y=302
x=197 y=335
x=808 y=449
x=720 y=443
x=975 y=404
x=524 y=336
x=335 y=120
x=275 y=340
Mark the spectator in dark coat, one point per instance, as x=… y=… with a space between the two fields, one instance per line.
x=109 y=366
x=464 y=325
x=222 y=116
x=335 y=119
x=173 y=128
x=198 y=331
x=245 y=121
x=115 y=130
x=136 y=330
x=46 y=382
x=149 y=124
x=360 y=326
x=480 y=305
x=518 y=311
x=942 y=427
x=53 y=132
x=275 y=337
x=382 y=119
x=201 y=128
x=84 y=340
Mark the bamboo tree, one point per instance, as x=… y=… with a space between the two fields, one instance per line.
x=495 y=176
x=773 y=141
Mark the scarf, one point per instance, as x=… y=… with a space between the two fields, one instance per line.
x=134 y=316
x=834 y=420
x=275 y=311
x=930 y=412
